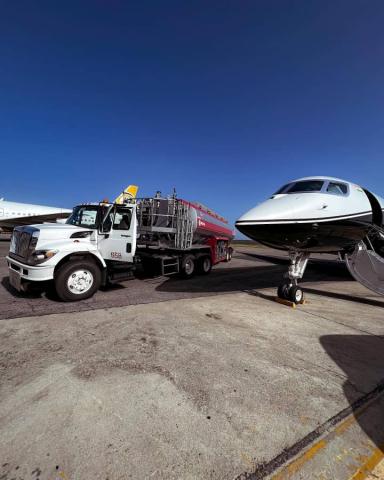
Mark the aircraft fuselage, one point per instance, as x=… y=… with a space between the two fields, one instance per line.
x=317 y=214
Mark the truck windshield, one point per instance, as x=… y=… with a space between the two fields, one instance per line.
x=84 y=216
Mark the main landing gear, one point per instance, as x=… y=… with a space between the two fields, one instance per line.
x=289 y=290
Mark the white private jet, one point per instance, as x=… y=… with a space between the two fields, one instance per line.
x=321 y=215
x=14 y=213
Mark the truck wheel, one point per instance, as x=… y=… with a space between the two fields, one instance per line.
x=204 y=265
x=187 y=269
x=228 y=256
x=77 y=280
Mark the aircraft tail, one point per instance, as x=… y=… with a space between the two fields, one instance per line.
x=129 y=193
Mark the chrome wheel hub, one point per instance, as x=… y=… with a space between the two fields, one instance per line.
x=80 y=281
x=189 y=267
x=298 y=295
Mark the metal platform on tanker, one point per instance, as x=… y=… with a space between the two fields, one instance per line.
x=204 y=379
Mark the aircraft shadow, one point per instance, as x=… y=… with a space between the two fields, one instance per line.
x=335 y=269
x=346 y=296
x=361 y=358
x=247 y=278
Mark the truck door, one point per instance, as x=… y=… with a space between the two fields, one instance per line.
x=117 y=235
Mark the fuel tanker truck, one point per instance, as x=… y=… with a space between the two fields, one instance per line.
x=104 y=243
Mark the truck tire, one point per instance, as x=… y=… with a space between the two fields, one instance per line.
x=228 y=256
x=187 y=267
x=204 y=265
x=77 y=280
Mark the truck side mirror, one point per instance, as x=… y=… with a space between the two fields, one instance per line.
x=106 y=226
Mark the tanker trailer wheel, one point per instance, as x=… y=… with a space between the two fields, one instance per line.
x=187 y=266
x=204 y=265
x=77 y=280
x=228 y=256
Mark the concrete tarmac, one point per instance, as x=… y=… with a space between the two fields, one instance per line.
x=208 y=378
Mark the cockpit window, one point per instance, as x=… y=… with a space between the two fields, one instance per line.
x=281 y=190
x=308 y=186
x=337 y=188
x=305 y=186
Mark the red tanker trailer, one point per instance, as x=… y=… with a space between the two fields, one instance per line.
x=197 y=236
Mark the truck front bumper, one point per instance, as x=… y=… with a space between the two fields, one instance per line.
x=20 y=273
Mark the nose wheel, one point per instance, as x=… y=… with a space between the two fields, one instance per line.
x=290 y=292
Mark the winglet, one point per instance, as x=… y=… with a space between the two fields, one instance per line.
x=129 y=193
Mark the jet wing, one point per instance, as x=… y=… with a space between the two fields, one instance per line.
x=10 y=223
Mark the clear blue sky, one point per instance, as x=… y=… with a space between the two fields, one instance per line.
x=225 y=100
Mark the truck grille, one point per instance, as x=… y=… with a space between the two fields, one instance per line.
x=21 y=244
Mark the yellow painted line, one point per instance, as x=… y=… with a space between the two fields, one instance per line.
x=339 y=429
x=363 y=472
x=370 y=462
x=295 y=466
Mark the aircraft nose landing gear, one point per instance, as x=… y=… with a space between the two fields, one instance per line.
x=289 y=290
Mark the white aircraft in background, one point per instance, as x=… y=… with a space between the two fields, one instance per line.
x=14 y=213
x=322 y=215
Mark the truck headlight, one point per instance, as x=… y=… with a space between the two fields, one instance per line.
x=40 y=256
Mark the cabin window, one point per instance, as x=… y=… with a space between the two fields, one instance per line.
x=305 y=186
x=337 y=188
x=122 y=219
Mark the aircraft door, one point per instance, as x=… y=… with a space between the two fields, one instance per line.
x=377 y=212
x=117 y=235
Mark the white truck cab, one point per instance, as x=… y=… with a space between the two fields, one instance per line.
x=74 y=254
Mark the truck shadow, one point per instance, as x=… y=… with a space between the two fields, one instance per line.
x=221 y=280
x=37 y=291
x=46 y=289
x=227 y=279
x=224 y=279
x=361 y=359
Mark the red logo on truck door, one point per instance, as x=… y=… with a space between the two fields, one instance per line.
x=116 y=255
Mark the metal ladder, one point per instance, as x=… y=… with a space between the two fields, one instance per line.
x=184 y=233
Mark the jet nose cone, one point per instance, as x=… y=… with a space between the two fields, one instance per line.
x=269 y=210
x=278 y=208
